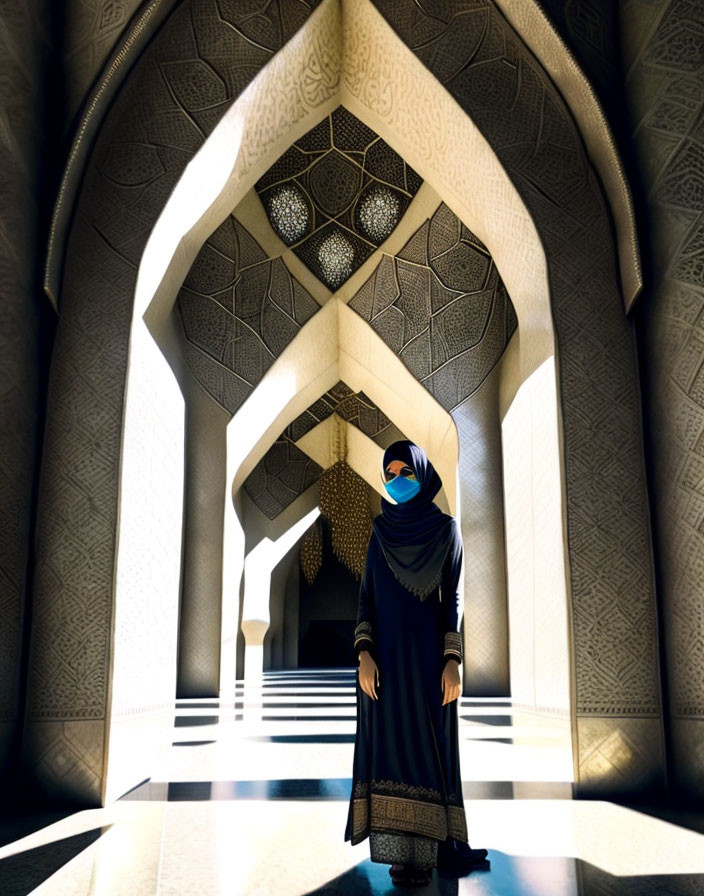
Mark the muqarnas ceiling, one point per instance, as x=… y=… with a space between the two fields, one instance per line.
x=239 y=309
x=286 y=471
x=442 y=307
x=336 y=194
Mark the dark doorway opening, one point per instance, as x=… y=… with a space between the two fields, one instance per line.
x=328 y=611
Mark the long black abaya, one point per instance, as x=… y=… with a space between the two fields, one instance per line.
x=407 y=788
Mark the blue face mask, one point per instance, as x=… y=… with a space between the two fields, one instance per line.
x=402 y=489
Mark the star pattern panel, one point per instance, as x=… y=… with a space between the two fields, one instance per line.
x=239 y=310
x=442 y=307
x=336 y=195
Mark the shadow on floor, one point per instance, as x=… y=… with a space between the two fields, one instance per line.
x=511 y=875
x=23 y=872
x=302 y=738
x=268 y=789
x=683 y=813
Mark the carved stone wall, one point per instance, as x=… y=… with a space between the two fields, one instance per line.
x=664 y=44
x=27 y=322
x=492 y=76
x=90 y=29
x=239 y=310
x=199 y=62
x=590 y=30
x=441 y=306
x=283 y=474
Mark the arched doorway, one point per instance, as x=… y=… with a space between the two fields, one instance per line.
x=439 y=139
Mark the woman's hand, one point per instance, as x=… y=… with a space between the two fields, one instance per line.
x=451 y=682
x=368 y=674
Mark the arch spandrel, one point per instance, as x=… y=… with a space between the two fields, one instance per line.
x=531 y=22
x=297 y=458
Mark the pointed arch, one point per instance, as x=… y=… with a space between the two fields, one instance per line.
x=346 y=51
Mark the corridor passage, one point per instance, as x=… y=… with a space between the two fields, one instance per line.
x=253 y=799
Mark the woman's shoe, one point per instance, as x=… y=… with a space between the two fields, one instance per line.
x=408 y=876
x=457 y=857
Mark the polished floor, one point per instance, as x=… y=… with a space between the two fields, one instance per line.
x=253 y=800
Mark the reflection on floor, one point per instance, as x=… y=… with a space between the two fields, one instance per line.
x=253 y=800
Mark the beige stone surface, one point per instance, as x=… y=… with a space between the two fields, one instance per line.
x=536 y=548
x=142 y=674
x=481 y=511
x=535 y=28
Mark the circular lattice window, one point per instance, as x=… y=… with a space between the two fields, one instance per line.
x=377 y=213
x=336 y=257
x=289 y=214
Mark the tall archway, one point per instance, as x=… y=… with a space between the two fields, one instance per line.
x=347 y=51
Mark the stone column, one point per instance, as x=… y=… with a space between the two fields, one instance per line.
x=511 y=99
x=291 y=608
x=259 y=565
x=27 y=325
x=665 y=91
x=145 y=142
x=201 y=592
x=486 y=666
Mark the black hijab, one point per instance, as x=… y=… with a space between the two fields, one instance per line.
x=415 y=536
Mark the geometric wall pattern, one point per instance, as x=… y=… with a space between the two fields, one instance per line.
x=283 y=474
x=491 y=74
x=199 y=61
x=355 y=408
x=336 y=194
x=286 y=471
x=442 y=307
x=239 y=311
x=89 y=34
x=25 y=348
x=590 y=27
x=666 y=95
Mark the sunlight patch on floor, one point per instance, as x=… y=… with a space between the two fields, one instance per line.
x=256 y=803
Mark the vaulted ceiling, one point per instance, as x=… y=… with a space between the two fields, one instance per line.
x=336 y=194
x=286 y=471
x=334 y=198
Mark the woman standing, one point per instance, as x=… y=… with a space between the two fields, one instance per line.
x=407 y=788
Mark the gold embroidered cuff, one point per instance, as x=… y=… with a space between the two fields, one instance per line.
x=363 y=632
x=453 y=645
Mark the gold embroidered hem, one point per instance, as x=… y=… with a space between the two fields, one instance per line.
x=379 y=812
